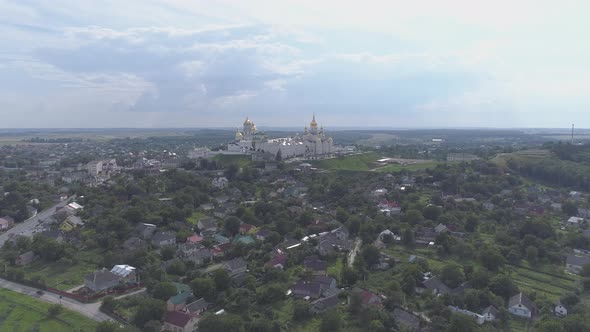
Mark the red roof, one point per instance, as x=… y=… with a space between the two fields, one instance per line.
x=278 y=259
x=177 y=318
x=194 y=239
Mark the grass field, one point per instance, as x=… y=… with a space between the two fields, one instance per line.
x=359 y=162
x=20 y=312
x=335 y=269
x=64 y=275
x=195 y=217
x=227 y=159
x=410 y=167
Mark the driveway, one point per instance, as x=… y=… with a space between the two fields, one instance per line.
x=354 y=251
x=29 y=227
x=90 y=310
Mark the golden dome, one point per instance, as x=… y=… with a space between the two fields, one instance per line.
x=313 y=123
x=247 y=122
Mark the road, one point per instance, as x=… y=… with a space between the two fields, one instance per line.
x=90 y=310
x=354 y=251
x=29 y=227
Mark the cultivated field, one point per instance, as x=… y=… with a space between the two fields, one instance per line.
x=20 y=312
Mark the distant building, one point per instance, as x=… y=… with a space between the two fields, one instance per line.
x=199 y=153
x=102 y=167
x=461 y=157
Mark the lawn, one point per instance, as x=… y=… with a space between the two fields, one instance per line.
x=410 y=167
x=225 y=160
x=359 y=162
x=64 y=275
x=20 y=312
x=195 y=217
x=335 y=269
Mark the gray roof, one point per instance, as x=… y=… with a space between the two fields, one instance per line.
x=406 y=318
x=236 y=264
x=436 y=284
x=577 y=260
x=163 y=236
x=491 y=309
x=520 y=298
x=197 y=306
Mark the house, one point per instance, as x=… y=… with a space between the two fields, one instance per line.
x=26 y=258
x=194 y=239
x=178 y=301
x=198 y=257
x=326 y=283
x=175 y=321
x=440 y=228
x=306 y=290
x=145 y=231
x=70 y=223
x=574 y=263
x=520 y=305
x=6 y=223
x=220 y=239
x=490 y=313
x=235 y=266
x=196 y=308
x=262 y=234
x=315 y=265
x=247 y=229
x=101 y=280
x=220 y=182
x=479 y=319
x=134 y=243
x=436 y=286
x=244 y=239
x=488 y=206
x=55 y=234
x=277 y=262
x=560 y=310
x=126 y=273
x=164 y=238
x=207 y=226
x=575 y=221
x=325 y=304
x=370 y=298
x=407 y=319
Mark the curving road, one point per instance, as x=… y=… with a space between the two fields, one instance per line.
x=90 y=310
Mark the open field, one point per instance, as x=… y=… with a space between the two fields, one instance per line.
x=22 y=313
x=369 y=162
x=501 y=158
x=226 y=159
x=64 y=275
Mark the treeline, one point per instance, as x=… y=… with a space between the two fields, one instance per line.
x=577 y=153
x=556 y=172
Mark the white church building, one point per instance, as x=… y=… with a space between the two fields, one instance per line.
x=312 y=144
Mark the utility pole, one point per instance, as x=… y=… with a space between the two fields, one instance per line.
x=572 y=134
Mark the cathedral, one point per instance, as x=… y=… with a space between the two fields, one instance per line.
x=312 y=144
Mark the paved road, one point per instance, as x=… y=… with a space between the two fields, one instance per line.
x=90 y=310
x=30 y=226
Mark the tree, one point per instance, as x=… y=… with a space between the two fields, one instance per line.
x=226 y=323
x=232 y=225
x=432 y=212
x=301 y=311
x=413 y=217
x=54 y=310
x=348 y=276
x=152 y=326
x=570 y=208
x=452 y=275
x=167 y=252
x=354 y=225
x=164 y=290
x=532 y=253
x=279 y=156
x=203 y=287
x=408 y=237
x=221 y=279
x=370 y=255
x=355 y=303
x=462 y=323
x=331 y=322
x=491 y=259
x=149 y=309
x=503 y=286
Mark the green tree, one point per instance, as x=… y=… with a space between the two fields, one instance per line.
x=452 y=275
x=164 y=290
x=413 y=217
x=462 y=323
x=370 y=254
x=432 y=212
x=226 y=323
x=331 y=322
x=203 y=287
x=149 y=309
x=221 y=279
x=301 y=311
x=232 y=225
x=491 y=259
x=503 y=286
x=54 y=310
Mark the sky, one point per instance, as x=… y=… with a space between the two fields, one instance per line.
x=398 y=64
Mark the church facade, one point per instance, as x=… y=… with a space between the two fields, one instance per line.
x=313 y=143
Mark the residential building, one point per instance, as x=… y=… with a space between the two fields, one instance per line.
x=235 y=266
x=490 y=313
x=175 y=321
x=6 y=223
x=164 y=238
x=101 y=280
x=520 y=305
x=560 y=310
x=26 y=258
x=575 y=263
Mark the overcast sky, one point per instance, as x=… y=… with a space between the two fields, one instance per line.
x=174 y=63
